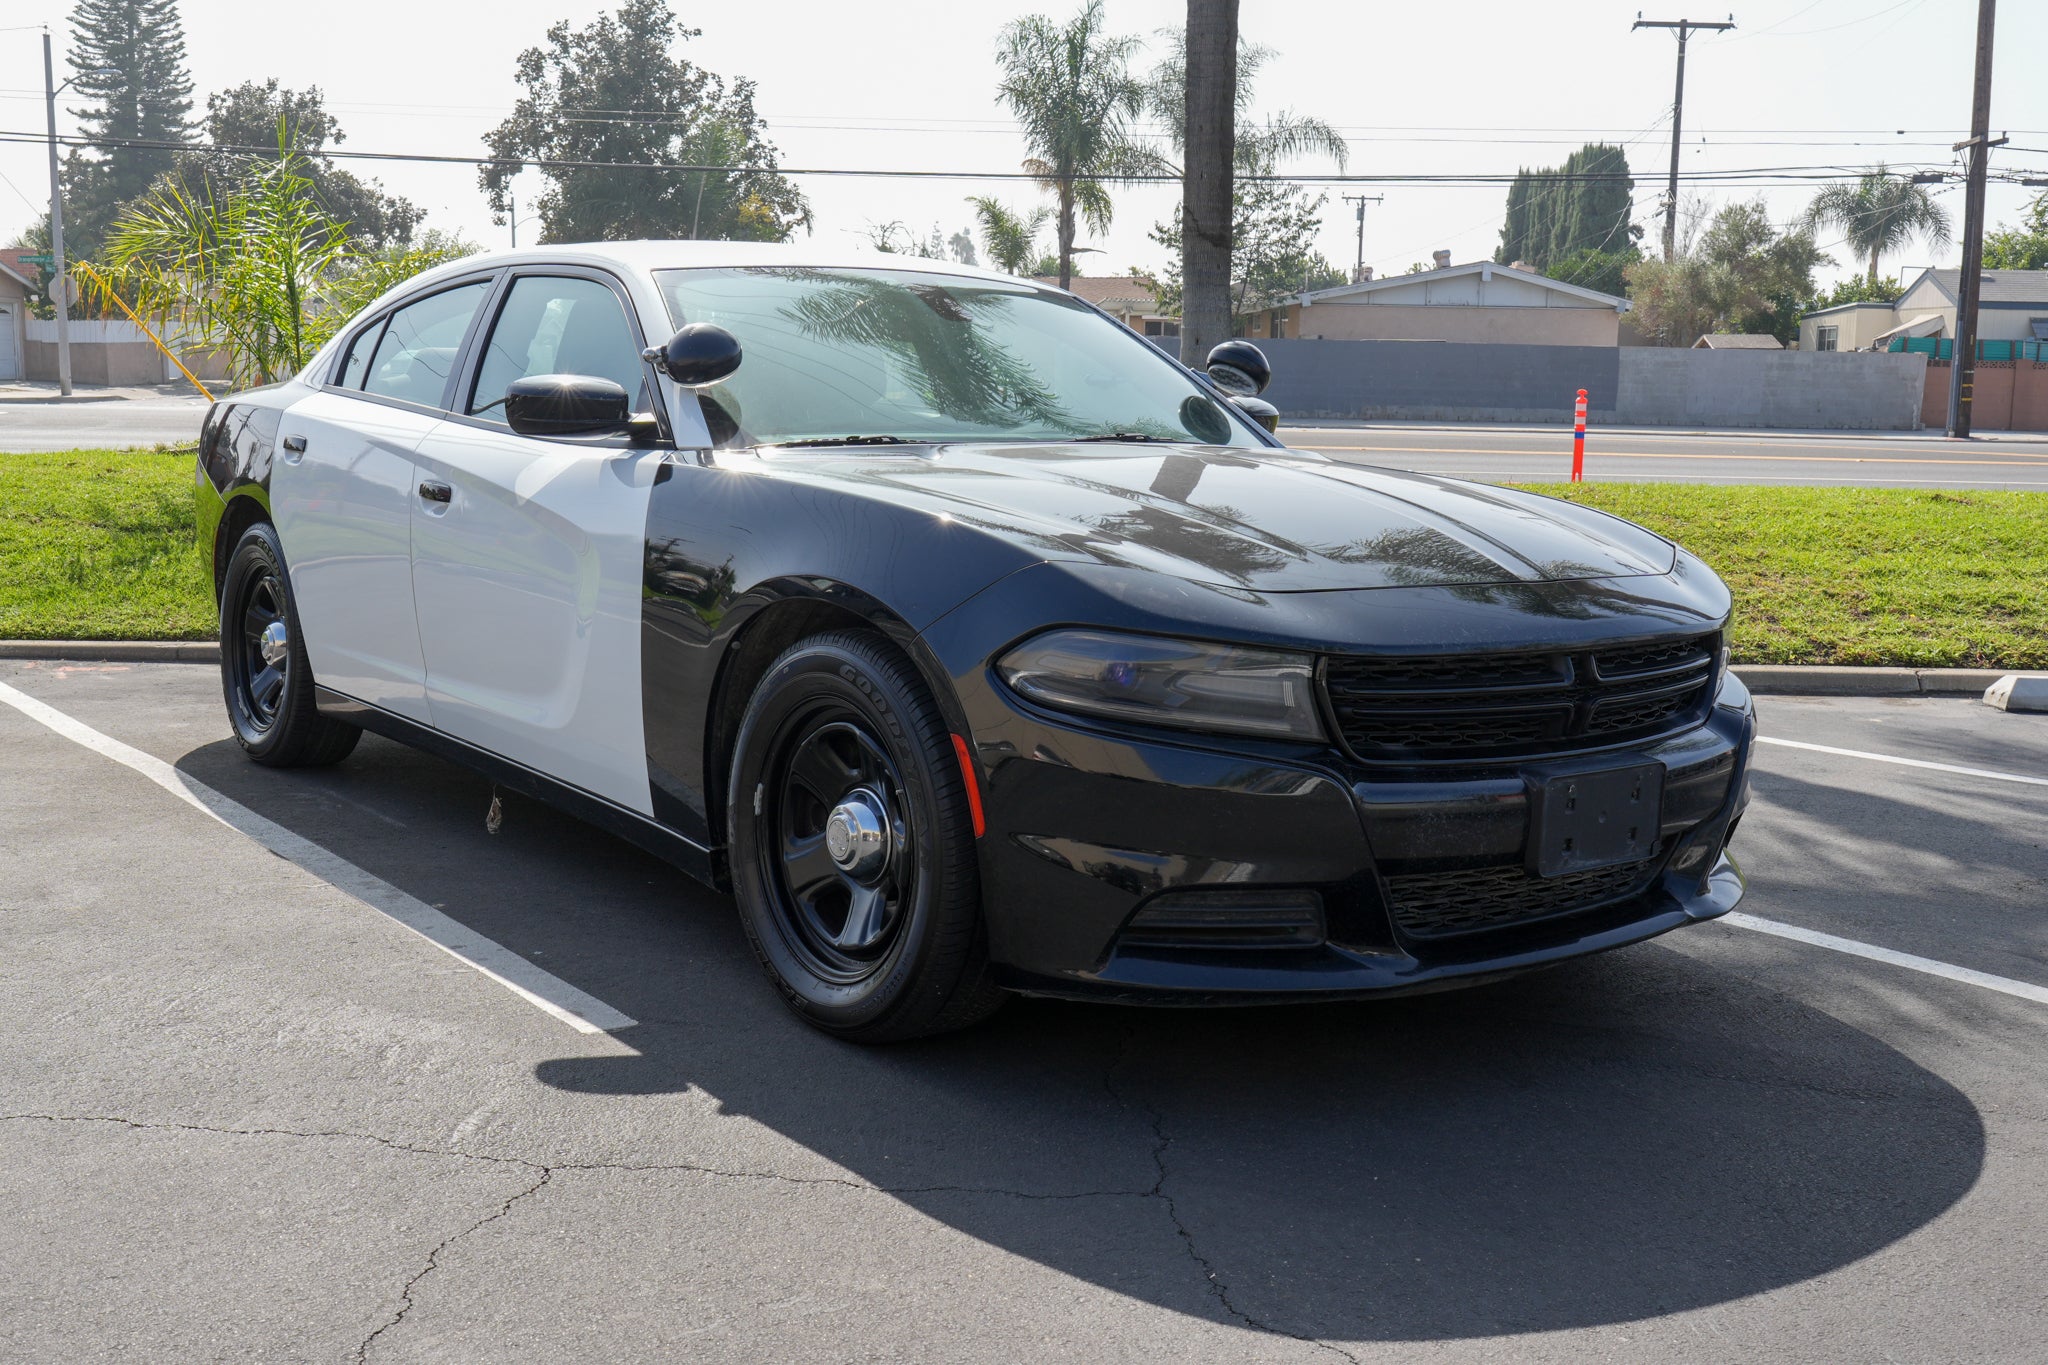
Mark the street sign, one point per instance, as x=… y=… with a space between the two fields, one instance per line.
x=39 y=260
x=68 y=287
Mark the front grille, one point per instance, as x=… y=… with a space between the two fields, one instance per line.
x=1431 y=904
x=1486 y=706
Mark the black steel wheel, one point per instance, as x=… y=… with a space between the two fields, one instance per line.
x=267 y=682
x=852 y=847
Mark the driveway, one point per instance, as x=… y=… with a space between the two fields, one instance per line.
x=250 y=1114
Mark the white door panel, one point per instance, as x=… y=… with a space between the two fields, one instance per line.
x=528 y=589
x=344 y=511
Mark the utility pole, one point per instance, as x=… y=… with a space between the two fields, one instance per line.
x=1358 y=269
x=512 y=214
x=1962 y=373
x=1686 y=28
x=60 y=295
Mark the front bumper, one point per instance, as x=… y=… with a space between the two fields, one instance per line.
x=1088 y=830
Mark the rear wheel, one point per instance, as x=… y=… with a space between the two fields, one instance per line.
x=263 y=671
x=852 y=846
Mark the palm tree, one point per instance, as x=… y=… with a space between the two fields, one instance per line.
x=1071 y=88
x=1260 y=147
x=1881 y=212
x=1208 y=142
x=1009 y=237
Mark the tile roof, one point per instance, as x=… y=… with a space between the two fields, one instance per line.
x=1112 y=293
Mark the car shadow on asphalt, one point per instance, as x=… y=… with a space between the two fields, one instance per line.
x=1618 y=1138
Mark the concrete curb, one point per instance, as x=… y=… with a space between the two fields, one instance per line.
x=1783 y=680
x=115 y=651
x=1818 y=680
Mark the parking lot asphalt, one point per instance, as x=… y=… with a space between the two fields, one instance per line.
x=245 y=1115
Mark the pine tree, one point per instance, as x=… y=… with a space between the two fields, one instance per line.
x=148 y=100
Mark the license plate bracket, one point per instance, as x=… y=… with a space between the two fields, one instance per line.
x=1584 y=818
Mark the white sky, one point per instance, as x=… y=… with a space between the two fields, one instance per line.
x=1429 y=88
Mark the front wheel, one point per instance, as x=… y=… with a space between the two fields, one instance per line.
x=263 y=669
x=852 y=844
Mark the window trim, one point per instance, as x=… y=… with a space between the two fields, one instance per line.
x=469 y=363
x=328 y=383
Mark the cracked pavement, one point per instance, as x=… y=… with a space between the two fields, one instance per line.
x=244 y=1117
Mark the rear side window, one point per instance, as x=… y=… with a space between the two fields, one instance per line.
x=558 y=325
x=355 y=366
x=417 y=352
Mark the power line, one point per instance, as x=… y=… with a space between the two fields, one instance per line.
x=1761 y=175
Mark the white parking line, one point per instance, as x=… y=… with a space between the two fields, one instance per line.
x=1906 y=762
x=2023 y=989
x=543 y=990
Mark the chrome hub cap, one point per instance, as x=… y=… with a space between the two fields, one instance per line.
x=857 y=835
x=274 y=645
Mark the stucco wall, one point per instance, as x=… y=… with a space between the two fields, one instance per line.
x=1340 y=320
x=1649 y=386
x=1786 y=389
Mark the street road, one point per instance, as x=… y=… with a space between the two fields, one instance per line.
x=247 y=1114
x=1525 y=455
x=154 y=417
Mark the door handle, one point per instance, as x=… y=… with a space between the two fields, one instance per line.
x=294 y=449
x=435 y=491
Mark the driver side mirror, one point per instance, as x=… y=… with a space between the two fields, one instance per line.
x=566 y=405
x=1240 y=369
x=701 y=353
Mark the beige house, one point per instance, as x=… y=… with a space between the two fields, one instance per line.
x=1845 y=327
x=1738 y=341
x=1127 y=298
x=1477 y=302
x=2012 y=307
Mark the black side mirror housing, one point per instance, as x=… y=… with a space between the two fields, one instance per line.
x=1240 y=369
x=566 y=405
x=1259 y=410
x=701 y=353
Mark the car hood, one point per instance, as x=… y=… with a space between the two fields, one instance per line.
x=1266 y=520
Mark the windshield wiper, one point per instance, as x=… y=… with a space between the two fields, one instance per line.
x=1133 y=436
x=845 y=441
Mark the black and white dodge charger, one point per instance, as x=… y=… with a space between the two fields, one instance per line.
x=976 y=645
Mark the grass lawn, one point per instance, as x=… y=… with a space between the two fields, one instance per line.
x=1860 y=575
x=97 y=544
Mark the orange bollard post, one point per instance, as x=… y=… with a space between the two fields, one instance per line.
x=1579 y=439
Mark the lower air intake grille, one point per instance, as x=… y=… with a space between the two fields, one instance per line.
x=1428 y=904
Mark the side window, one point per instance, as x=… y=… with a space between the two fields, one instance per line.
x=417 y=351
x=355 y=366
x=556 y=325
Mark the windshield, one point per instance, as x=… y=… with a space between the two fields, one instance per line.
x=831 y=354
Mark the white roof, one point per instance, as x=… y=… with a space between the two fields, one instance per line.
x=1926 y=325
x=684 y=254
x=1483 y=269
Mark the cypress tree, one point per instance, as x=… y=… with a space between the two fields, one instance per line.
x=149 y=100
x=1559 y=211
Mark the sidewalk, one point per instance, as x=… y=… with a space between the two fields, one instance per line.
x=45 y=391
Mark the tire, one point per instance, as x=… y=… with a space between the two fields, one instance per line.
x=883 y=940
x=267 y=683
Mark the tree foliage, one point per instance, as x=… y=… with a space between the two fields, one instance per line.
x=2023 y=246
x=1606 y=271
x=1275 y=240
x=615 y=93
x=1881 y=212
x=1585 y=205
x=1263 y=144
x=1010 y=236
x=245 y=123
x=256 y=270
x=1858 y=289
x=1071 y=88
x=128 y=66
x=1743 y=275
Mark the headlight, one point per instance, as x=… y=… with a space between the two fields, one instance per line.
x=1182 y=683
